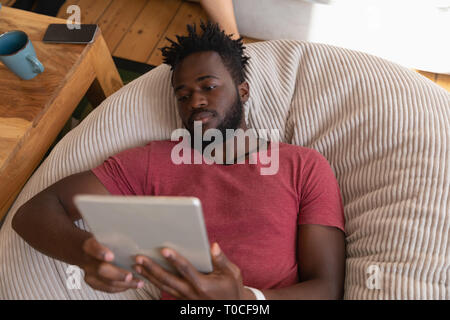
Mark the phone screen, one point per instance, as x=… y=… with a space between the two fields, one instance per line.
x=60 y=33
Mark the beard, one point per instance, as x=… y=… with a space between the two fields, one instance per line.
x=231 y=120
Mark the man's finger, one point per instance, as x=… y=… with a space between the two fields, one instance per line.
x=93 y=248
x=157 y=283
x=184 y=267
x=164 y=277
x=108 y=271
x=219 y=260
x=98 y=284
x=132 y=284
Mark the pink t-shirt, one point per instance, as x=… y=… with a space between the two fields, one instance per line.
x=253 y=217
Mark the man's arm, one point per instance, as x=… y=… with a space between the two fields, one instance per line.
x=321 y=263
x=222 y=12
x=46 y=222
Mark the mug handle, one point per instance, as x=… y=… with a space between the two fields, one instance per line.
x=37 y=65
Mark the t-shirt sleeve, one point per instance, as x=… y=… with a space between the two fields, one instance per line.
x=125 y=173
x=320 y=198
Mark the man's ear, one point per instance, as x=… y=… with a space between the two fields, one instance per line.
x=244 y=91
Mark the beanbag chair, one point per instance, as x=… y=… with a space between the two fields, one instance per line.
x=384 y=130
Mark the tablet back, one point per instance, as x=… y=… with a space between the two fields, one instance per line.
x=132 y=225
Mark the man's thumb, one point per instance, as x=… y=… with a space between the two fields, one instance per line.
x=218 y=258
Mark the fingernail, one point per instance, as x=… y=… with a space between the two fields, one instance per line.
x=140 y=284
x=216 y=249
x=139 y=260
x=138 y=269
x=108 y=256
x=128 y=277
x=167 y=253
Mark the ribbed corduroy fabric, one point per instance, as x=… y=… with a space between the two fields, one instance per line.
x=384 y=129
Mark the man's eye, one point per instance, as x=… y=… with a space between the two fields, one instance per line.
x=182 y=98
x=210 y=87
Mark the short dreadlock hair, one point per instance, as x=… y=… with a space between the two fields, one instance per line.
x=212 y=39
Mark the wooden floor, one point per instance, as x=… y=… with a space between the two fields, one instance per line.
x=135 y=29
x=442 y=80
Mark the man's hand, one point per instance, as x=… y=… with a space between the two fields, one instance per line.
x=225 y=282
x=100 y=274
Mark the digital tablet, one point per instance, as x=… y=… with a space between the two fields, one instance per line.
x=143 y=225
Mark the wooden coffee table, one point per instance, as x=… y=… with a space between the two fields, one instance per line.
x=33 y=112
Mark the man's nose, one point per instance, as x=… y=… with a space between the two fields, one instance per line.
x=198 y=100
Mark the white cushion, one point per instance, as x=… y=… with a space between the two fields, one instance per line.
x=384 y=130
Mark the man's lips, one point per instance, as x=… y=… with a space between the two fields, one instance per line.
x=203 y=116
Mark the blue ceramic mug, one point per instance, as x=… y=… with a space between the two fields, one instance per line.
x=17 y=53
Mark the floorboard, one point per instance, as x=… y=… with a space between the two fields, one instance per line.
x=148 y=29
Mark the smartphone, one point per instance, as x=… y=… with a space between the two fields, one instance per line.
x=60 y=33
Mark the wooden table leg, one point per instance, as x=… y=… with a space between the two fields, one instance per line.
x=95 y=94
x=107 y=79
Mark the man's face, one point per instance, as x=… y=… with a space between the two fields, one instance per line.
x=206 y=92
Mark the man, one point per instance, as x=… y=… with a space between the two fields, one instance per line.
x=280 y=233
